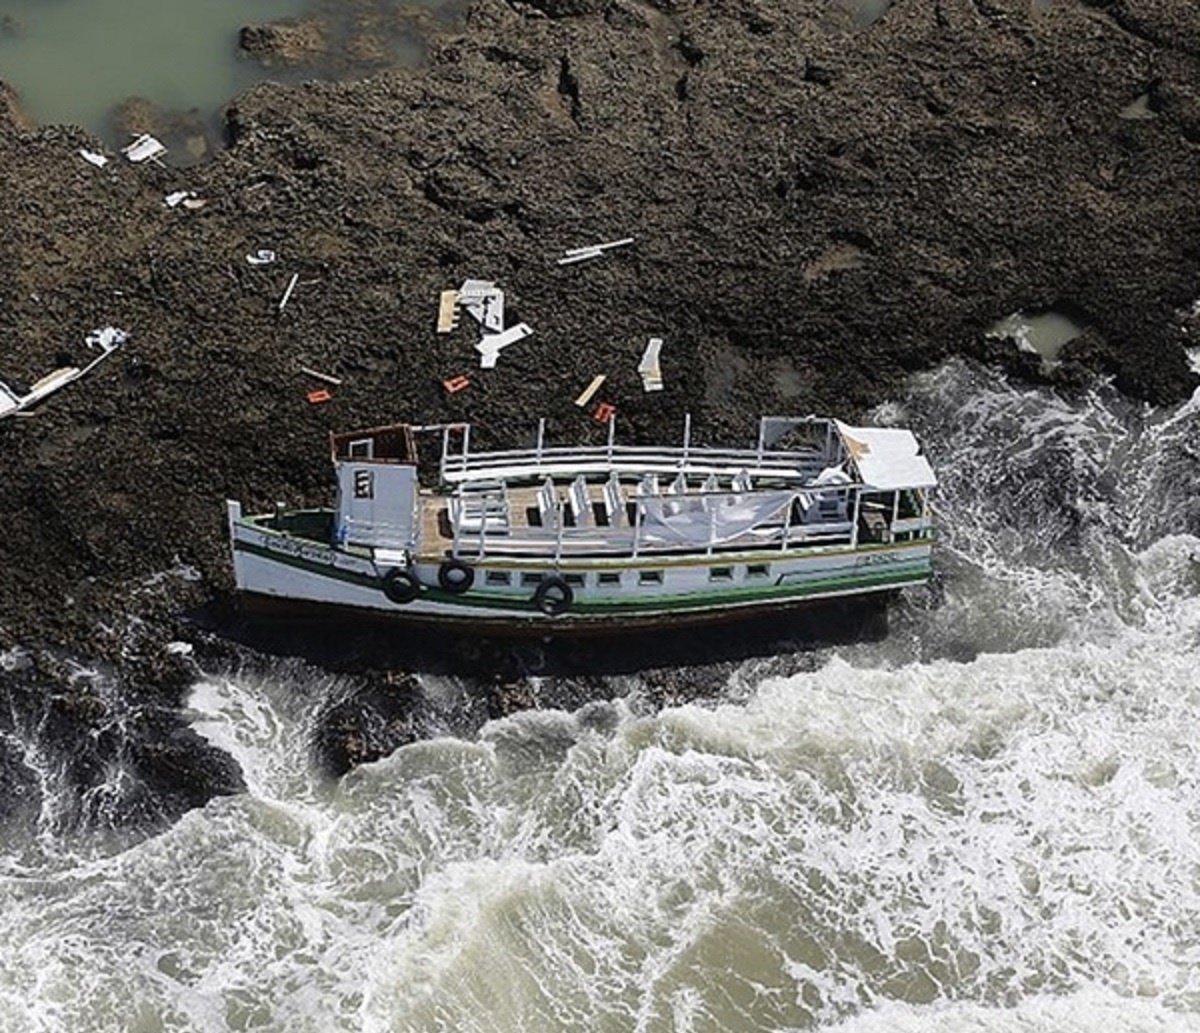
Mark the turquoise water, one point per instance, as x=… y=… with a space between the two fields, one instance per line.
x=73 y=61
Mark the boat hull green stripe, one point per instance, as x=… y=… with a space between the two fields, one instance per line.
x=900 y=574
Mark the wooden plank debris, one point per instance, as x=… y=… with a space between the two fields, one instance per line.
x=583 y=254
x=318 y=397
x=328 y=378
x=453 y=385
x=589 y=392
x=447 y=312
x=287 y=294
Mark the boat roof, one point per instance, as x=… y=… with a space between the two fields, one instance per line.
x=887 y=458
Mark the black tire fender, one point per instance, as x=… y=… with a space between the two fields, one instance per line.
x=401 y=586
x=553 y=596
x=455 y=576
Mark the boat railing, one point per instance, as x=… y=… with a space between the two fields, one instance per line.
x=630 y=460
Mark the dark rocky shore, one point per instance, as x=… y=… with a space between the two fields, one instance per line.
x=819 y=210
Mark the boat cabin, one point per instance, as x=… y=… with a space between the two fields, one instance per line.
x=807 y=482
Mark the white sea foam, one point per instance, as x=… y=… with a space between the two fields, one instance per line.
x=986 y=822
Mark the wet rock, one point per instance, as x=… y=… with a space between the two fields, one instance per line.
x=284 y=43
x=11 y=112
x=368 y=723
x=137 y=115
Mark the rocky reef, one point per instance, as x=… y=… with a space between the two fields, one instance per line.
x=820 y=208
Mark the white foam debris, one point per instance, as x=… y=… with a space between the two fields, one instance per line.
x=93 y=157
x=263 y=256
x=178 y=197
x=649 y=369
x=491 y=345
x=484 y=302
x=144 y=148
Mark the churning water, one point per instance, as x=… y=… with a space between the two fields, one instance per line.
x=985 y=822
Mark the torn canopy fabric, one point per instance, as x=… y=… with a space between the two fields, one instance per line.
x=699 y=519
x=888 y=459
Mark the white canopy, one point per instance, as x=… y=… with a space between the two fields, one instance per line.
x=887 y=458
x=698 y=520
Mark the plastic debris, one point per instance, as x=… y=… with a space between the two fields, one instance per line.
x=492 y=344
x=263 y=256
x=143 y=148
x=179 y=197
x=287 y=294
x=328 y=378
x=108 y=340
x=447 y=312
x=604 y=412
x=93 y=157
x=455 y=384
x=649 y=368
x=484 y=301
x=583 y=254
x=589 y=392
x=318 y=397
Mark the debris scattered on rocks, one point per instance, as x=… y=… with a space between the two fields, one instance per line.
x=584 y=254
x=319 y=397
x=107 y=339
x=492 y=344
x=328 y=378
x=589 y=392
x=174 y=200
x=263 y=256
x=649 y=368
x=144 y=148
x=447 y=312
x=453 y=385
x=93 y=157
x=604 y=412
x=287 y=294
x=485 y=303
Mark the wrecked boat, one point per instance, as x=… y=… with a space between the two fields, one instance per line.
x=567 y=539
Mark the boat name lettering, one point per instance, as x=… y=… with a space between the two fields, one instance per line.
x=312 y=553
x=876 y=558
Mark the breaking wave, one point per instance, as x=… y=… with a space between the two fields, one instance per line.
x=986 y=821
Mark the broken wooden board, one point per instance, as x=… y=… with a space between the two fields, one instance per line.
x=589 y=392
x=447 y=319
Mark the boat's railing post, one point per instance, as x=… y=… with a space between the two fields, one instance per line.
x=541 y=440
x=854 y=518
x=712 y=526
x=687 y=438
x=466 y=451
x=787 y=525
x=762 y=441
x=612 y=434
x=558 y=536
x=637 y=526
x=445 y=450
x=457 y=510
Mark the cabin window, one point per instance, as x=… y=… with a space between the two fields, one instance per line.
x=497 y=577
x=758 y=570
x=574 y=580
x=531 y=579
x=650 y=577
x=720 y=574
x=610 y=577
x=360 y=449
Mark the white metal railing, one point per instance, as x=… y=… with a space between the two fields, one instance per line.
x=629 y=460
x=459 y=464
